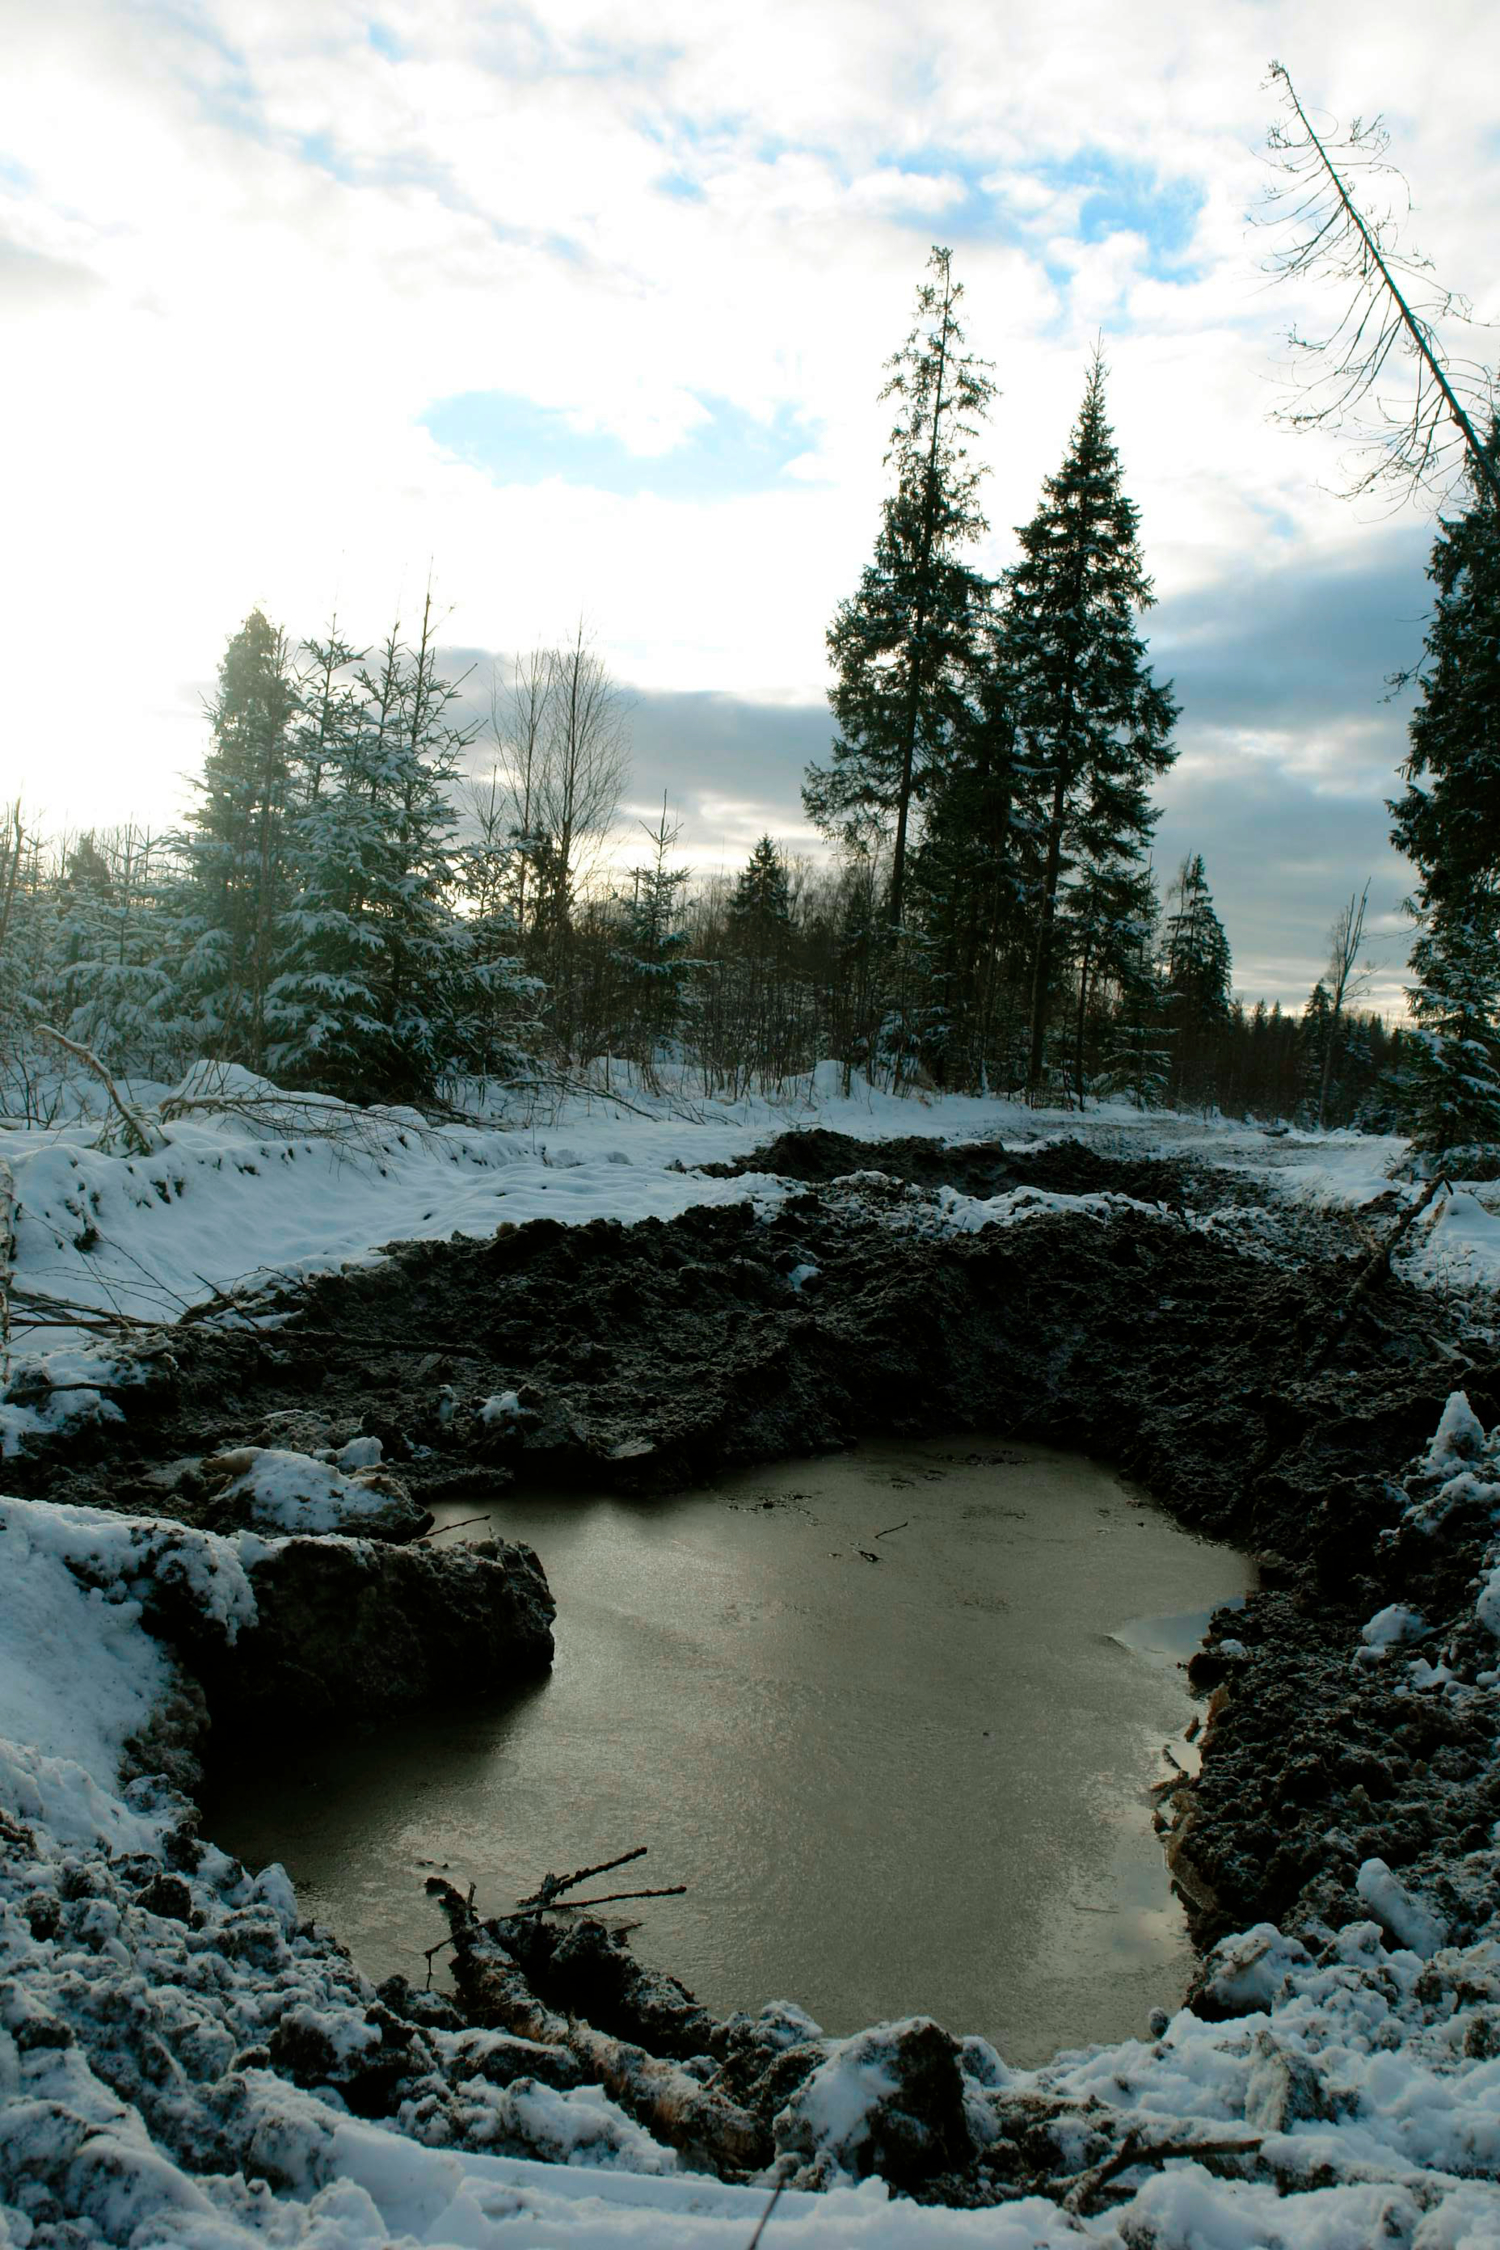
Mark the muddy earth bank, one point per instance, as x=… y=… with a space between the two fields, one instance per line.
x=1194 y=1345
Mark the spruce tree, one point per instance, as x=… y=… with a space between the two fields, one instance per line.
x=653 y=953
x=760 y=906
x=1448 y=823
x=1197 y=969
x=1093 y=728
x=324 y=1007
x=377 y=987
x=964 y=882
x=235 y=876
x=903 y=646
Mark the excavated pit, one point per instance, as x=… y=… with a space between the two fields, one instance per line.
x=649 y=1358
x=894 y=1717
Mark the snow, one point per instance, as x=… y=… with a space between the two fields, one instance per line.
x=502 y=1407
x=1388 y=1629
x=279 y=1187
x=294 y=1492
x=1399 y=1914
x=1459 y=1437
x=1360 y=2065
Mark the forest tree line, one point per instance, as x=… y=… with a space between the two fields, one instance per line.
x=381 y=895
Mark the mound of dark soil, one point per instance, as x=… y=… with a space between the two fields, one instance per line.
x=982 y=1168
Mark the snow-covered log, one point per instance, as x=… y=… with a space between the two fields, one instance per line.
x=675 y=2107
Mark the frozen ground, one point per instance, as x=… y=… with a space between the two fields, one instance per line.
x=140 y=2013
x=244 y=1195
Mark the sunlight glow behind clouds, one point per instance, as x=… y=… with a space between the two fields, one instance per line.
x=251 y=257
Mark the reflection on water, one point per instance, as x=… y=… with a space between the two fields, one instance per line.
x=885 y=1713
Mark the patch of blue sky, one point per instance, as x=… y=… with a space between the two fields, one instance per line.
x=515 y=441
x=519 y=43
x=14 y=173
x=317 y=148
x=680 y=185
x=384 y=41
x=232 y=98
x=1124 y=198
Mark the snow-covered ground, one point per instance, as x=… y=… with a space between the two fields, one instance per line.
x=243 y=1196
x=1367 y=2076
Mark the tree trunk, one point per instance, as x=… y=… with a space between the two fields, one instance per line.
x=1083 y=1004
x=1042 y=973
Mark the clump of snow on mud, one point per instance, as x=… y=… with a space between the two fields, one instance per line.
x=57 y=1393
x=1388 y=1629
x=503 y=1408
x=1402 y=1917
x=1460 y=1469
x=292 y=1492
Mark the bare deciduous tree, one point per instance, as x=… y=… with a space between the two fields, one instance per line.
x=1345 y=979
x=585 y=762
x=519 y=716
x=1381 y=373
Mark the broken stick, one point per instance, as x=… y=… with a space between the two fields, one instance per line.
x=1375 y=1270
x=552 y=1886
x=137 y=1132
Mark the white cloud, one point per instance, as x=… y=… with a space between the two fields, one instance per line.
x=277 y=243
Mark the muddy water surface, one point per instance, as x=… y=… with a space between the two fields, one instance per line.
x=892 y=1715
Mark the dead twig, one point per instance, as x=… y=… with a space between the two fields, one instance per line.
x=552 y=1886
x=365 y=1343
x=1375 y=1270
x=65 y=1312
x=137 y=1131
x=570 y=1905
x=7 y=1262
x=1085 y=2189
x=890 y=1527
x=760 y=2227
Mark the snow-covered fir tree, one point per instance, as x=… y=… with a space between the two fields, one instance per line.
x=1447 y=821
x=653 y=951
x=375 y=999
x=107 y=983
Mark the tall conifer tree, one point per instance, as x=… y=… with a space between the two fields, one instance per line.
x=1197 y=980
x=1093 y=728
x=1448 y=822
x=903 y=646
x=235 y=875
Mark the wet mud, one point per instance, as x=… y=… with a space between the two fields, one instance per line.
x=653 y=1356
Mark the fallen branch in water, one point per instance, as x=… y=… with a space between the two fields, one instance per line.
x=552 y=1886
x=610 y=1898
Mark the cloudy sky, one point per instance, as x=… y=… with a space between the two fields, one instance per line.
x=582 y=309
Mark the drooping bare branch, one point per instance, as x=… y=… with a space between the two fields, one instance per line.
x=1381 y=374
